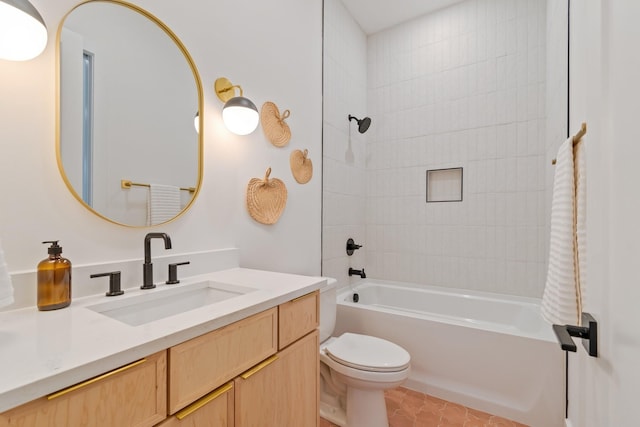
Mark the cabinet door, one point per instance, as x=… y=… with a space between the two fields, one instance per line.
x=204 y=363
x=213 y=410
x=283 y=390
x=297 y=317
x=134 y=395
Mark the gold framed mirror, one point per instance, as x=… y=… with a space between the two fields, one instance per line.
x=128 y=129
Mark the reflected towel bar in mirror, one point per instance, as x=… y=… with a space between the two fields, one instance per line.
x=126 y=185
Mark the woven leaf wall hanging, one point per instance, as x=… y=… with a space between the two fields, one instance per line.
x=266 y=198
x=273 y=124
x=301 y=166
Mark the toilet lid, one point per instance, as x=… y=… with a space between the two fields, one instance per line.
x=368 y=353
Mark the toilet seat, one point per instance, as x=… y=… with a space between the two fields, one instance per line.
x=367 y=353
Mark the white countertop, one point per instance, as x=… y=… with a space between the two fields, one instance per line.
x=45 y=351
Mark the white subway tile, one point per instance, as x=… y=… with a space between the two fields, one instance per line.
x=445 y=90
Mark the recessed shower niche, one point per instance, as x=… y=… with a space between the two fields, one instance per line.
x=444 y=185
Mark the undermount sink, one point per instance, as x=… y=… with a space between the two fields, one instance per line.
x=161 y=303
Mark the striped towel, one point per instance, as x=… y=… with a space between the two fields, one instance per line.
x=563 y=293
x=163 y=204
x=6 y=288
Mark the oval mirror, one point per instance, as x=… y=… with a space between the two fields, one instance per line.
x=128 y=100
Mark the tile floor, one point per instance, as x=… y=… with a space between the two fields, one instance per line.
x=408 y=408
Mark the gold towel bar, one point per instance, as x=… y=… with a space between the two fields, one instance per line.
x=576 y=138
x=126 y=185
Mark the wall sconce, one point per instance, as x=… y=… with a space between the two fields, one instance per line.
x=23 y=34
x=239 y=114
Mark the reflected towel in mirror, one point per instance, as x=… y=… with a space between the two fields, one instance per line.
x=6 y=288
x=163 y=204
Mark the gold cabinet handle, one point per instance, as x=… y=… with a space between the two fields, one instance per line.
x=259 y=367
x=94 y=379
x=204 y=400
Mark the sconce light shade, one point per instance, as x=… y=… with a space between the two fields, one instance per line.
x=239 y=114
x=23 y=34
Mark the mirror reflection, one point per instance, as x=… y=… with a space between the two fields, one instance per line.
x=128 y=94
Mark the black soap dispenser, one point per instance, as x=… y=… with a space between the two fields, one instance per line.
x=54 y=280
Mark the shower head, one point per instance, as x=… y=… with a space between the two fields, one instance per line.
x=363 y=124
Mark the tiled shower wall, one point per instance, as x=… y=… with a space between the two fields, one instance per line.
x=464 y=86
x=460 y=87
x=556 y=98
x=344 y=149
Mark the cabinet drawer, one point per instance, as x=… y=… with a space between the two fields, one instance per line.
x=204 y=363
x=297 y=318
x=134 y=395
x=213 y=410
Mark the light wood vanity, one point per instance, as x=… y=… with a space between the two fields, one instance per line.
x=262 y=370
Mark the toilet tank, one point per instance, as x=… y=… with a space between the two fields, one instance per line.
x=328 y=307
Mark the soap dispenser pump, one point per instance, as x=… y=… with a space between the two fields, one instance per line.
x=54 y=279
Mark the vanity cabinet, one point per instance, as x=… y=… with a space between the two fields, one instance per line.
x=133 y=395
x=267 y=388
x=284 y=389
x=262 y=370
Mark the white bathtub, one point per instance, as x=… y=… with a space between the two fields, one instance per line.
x=490 y=352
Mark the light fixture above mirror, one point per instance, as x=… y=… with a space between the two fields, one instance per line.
x=23 y=33
x=240 y=114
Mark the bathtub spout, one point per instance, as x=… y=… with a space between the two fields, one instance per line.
x=360 y=273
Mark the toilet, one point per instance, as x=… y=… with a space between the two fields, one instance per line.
x=355 y=370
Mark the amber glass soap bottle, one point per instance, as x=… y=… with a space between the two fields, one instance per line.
x=54 y=280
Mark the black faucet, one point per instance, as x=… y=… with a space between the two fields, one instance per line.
x=360 y=273
x=147 y=267
x=114 y=283
x=173 y=272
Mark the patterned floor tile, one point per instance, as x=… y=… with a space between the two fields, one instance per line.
x=408 y=408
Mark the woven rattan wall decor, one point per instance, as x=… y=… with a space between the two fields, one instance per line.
x=266 y=198
x=273 y=124
x=301 y=166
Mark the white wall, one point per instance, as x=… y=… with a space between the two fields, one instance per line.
x=605 y=64
x=344 y=149
x=277 y=57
